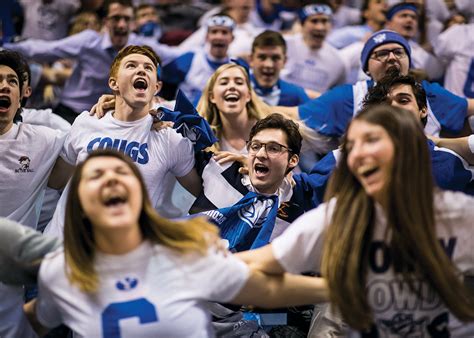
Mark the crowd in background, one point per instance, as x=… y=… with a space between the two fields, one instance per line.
x=212 y=144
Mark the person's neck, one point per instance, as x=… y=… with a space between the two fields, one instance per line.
x=374 y=25
x=217 y=58
x=308 y=44
x=237 y=126
x=5 y=127
x=118 y=241
x=125 y=112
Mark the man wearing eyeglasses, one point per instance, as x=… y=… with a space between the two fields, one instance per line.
x=273 y=152
x=93 y=53
x=385 y=51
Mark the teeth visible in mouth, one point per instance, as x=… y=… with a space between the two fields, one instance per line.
x=260 y=168
x=367 y=170
x=231 y=98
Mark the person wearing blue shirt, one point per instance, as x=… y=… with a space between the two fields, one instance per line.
x=384 y=51
x=266 y=61
x=450 y=170
x=191 y=70
x=93 y=53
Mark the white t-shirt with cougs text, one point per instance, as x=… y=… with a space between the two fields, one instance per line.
x=152 y=291
x=397 y=311
x=154 y=152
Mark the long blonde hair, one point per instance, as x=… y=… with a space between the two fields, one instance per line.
x=79 y=244
x=410 y=220
x=256 y=108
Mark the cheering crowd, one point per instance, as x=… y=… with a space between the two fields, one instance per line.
x=236 y=168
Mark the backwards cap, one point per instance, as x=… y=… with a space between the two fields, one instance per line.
x=309 y=10
x=381 y=38
x=400 y=7
x=220 y=20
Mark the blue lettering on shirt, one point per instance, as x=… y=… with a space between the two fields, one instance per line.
x=138 y=152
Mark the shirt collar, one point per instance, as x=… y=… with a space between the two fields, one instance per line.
x=284 y=192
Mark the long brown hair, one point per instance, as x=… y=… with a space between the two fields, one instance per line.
x=410 y=219
x=79 y=244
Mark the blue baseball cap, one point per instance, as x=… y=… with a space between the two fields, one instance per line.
x=379 y=38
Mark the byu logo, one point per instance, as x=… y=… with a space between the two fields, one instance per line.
x=380 y=38
x=256 y=213
x=127 y=284
x=192 y=133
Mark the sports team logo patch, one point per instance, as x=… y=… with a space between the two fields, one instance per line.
x=380 y=38
x=255 y=214
x=128 y=283
x=24 y=162
x=193 y=133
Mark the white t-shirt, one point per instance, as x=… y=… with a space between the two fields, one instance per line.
x=455 y=47
x=46 y=117
x=300 y=249
x=152 y=291
x=154 y=152
x=317 y=70
x=27 y=158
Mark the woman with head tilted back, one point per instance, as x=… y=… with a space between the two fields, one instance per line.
x=231 y=107
x=125 y=271
x=393 y=248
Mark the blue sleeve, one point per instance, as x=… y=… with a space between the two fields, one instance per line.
x=330 y=113
x=48 y=51
x=175 y=72
x=449 y=109
x=291 y=95
x=448 y=170
x=316 y=181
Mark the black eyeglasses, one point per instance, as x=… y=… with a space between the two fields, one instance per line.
x=382 y=55
x=272 y=148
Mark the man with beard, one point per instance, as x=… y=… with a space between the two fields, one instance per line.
x=313 y=63
x=385 y=51
x=93 y=53
x=191 y=71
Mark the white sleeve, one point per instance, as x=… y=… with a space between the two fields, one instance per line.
x=180 y=154
x=221 y=277
x=46 y=310
x=299 y=248
x=445 y=46
x=69 y=152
